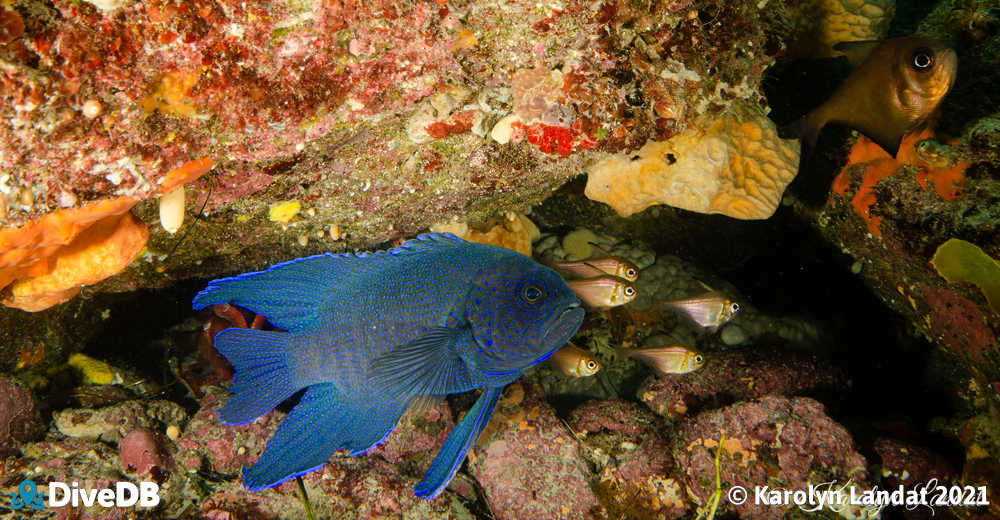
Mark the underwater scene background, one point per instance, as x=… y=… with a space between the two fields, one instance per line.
x=802 y=313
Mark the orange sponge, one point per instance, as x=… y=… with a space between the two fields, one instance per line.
x=26 y=251
x=98 y=252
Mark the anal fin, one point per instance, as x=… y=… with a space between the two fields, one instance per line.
x=321 y=424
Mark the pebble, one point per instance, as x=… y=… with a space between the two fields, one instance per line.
x=856 y=267
x=91 y=109
x=173 y=432
x=733 y=335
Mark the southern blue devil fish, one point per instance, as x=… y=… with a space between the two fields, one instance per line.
x=368 y=333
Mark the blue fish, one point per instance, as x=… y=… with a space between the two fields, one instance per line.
x=368 y=334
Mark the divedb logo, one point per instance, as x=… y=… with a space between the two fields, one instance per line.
x=123 y=494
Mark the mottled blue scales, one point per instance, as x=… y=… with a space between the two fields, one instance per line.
x=368 y=334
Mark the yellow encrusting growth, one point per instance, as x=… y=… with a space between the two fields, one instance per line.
x=738 y=167
x=94 y=372
x=959 y=261
x=284 y=211
x=515 y=232
x=170 y=94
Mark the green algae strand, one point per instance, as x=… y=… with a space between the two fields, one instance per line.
x=960 y=261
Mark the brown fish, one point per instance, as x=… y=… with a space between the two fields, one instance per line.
x=603 y=292
x=575 y=361
x=711 y=309
x=668 y=359
x=597 y=266
x=896 y=87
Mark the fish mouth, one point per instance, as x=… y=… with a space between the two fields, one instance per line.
x=560 y=329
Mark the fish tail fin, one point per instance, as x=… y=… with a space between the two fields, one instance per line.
x=455 y=447
x=324 y=422
x=264 y=376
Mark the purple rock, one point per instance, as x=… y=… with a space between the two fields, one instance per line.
x=19 y=420
x=529 y=463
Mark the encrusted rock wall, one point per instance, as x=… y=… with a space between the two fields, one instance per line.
x=378 y=119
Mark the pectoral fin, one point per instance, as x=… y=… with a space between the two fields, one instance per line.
x=428 y=365
x=453 y=451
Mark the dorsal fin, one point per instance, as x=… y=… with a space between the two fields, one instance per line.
x=857 y=52
x=291 y=293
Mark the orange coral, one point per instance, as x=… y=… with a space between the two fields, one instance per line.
x=879 y=165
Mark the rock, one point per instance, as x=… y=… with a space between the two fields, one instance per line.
x=528 y=463
x=143 y=454
x=114 y=422
x=733 y=335
x=904 y=463
x=207 y=443
x=365 y=486
x=19 y=421
x=737 y=375
x=782 y=442
x=627 y=446
x=417 y=438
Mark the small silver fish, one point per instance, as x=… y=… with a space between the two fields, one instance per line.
x=603 y=292
x=575 y=361
x=711 y=309
x=671 y=359
x=590 y=268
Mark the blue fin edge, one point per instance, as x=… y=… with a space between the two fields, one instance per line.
x=406 y=247
x=423 y=489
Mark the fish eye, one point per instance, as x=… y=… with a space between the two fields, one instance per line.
x=699 y=359
x=531 y=294
x=923 y=59
x=629 y=291
x=591 y=365
x=734 y=307
x=630 y=273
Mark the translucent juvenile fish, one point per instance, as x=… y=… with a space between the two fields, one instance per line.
x=597 y=266
x=604 y=291
x=895 y=87
x=673 y=359
x=575 y=361
x=711 y=309
x=370 y=334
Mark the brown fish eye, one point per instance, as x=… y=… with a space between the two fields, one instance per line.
x=923 y=59
x=698 y=360
x=591 y=365
x=734 y=307
x=531 y=294
x=629 y=291
x=630 y=273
